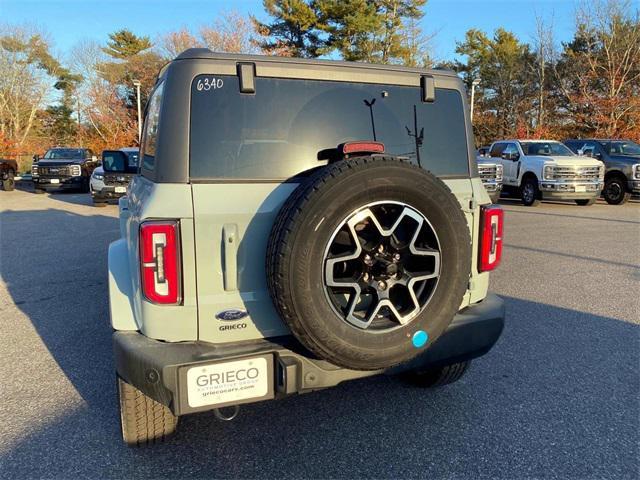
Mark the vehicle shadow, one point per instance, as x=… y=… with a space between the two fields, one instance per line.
x=557 y=394
x=67 y=196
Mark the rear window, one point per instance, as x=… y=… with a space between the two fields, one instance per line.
x=280 y=131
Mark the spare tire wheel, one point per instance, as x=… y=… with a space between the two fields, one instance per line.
x=368 y=261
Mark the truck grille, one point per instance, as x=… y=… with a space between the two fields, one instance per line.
x=490 y=173
x=61 y=171
x=575 y=174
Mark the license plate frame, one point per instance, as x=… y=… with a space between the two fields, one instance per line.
x=120 y=189
x=192 y=401
x=54 y=180
x=580 y=188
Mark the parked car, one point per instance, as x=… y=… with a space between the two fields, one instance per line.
x=622 y=165
x=545 y=170
x=8 y=169
x=110 y=180
x=63 y=169
x=491 y=176
x=333 y=251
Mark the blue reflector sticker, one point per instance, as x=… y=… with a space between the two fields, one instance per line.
x=420 y=339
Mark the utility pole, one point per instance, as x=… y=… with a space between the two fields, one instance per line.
x=137 y=84
x=474 y=84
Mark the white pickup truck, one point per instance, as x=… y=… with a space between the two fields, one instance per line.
x=546 y=169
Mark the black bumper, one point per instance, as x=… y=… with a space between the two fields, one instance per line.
x=65 y=183
x=159 y=369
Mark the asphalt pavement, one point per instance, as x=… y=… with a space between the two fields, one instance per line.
x=558 y=396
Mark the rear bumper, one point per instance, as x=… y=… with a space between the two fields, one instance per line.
x=159 y=369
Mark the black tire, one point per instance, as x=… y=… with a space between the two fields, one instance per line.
x=615 y=191
x=530 y=193
x=299 y=241
x=437 y=377
x=586 y=202
x=143 y=420
x=86 y=187
x=37 y=190
x=99 y=204
x=9 y=183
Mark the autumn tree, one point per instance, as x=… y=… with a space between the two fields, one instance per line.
x=131 y=58
x=503 y=65
x=107 y=119
x=598 y=74
x=172 y=44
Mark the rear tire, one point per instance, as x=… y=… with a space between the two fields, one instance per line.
x=530 y=193
x=143 y=420
x=99 y=204
x=37 y=190
x=300 y=246
x=586 y=202
x=437 y=377
x=615 y=191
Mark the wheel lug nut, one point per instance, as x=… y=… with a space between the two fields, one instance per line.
x=396 y=257
x=365 y=277
x=381 y=248
x=382 y=285
x=368 y=260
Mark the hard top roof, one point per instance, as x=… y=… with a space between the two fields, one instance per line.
x=205 y=53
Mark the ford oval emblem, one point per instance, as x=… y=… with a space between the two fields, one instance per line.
x=231 y=315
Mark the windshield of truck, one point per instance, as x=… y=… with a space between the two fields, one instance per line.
x=65 y=153
x=624 y=148
x=548 y=149
x=285 y=127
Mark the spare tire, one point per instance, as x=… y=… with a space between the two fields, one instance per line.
x=368 y=261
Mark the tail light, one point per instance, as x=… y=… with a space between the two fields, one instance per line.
x=160 y=262
x=491 y=227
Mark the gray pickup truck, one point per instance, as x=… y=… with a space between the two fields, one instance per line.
x=296 y=224
x=622 y=165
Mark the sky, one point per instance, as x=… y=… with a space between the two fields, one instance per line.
x=70 y=21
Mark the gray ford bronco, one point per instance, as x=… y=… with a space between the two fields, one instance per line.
x=296 y=224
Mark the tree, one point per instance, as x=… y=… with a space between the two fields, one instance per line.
x=503 y=65
x=375 y=31
x=28 y=75
x=545 y=58
x=598 y=74
x=132 y=60
x=293 y=30
x=173 y=44
x=233 y=33
x=125 y=44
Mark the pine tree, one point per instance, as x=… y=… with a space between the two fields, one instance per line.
x=124 y=44
x=294 y=30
